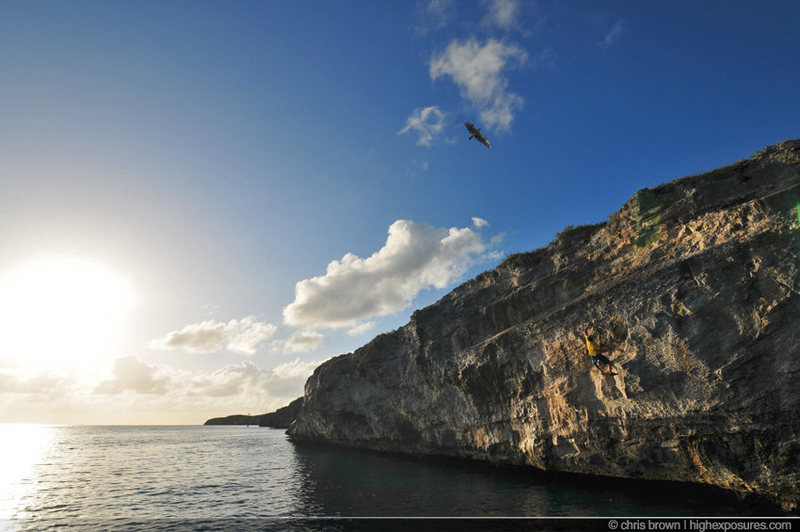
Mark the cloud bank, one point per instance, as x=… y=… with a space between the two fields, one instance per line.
x=131 y=374
x=284 y=382
x=354 y=289
x=480 y=72
x=40 y=383
x=137 y=392
x=242 y=336
x=246 y=381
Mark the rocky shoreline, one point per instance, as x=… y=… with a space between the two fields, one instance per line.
x=694 y=285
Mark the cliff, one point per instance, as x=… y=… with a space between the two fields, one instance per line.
x=694 y=286
x=279 y=419
x=282 y=418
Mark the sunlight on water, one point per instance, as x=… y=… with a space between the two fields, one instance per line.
x=22 y=448
x=93 y=477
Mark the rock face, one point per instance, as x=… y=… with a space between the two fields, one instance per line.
x=282 y=418
x=695 y=286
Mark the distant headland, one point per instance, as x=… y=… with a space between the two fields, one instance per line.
x=282 y=418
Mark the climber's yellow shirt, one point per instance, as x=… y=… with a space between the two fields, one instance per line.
x=593 y=347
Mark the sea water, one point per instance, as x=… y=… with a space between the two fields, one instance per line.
x=52 y=475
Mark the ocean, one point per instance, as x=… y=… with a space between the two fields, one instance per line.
x=107 y=476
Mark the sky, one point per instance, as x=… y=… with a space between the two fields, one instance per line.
x=201 y=202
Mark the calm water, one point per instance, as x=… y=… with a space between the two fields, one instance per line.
x=64 y=474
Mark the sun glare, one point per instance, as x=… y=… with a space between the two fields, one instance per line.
x=23 y=448
x=61 y=311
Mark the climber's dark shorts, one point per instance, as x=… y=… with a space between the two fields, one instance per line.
x=600 y=359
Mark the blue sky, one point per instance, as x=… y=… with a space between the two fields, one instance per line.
x=238 y=168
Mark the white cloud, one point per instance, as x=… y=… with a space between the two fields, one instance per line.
x=426 y=123
x=132 y=374
x=235 y=379
x=296 y=368
x=210 y=336
x=281 y=384
x=479 y=72
x=362 y=328
x=303 y=341
x=612 y=36
x=353 y=289
x=479 y=222
x=435 y=15
x=502 y=14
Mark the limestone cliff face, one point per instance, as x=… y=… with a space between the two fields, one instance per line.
x=695 y=286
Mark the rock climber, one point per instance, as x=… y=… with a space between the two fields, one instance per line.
x=598 y=360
